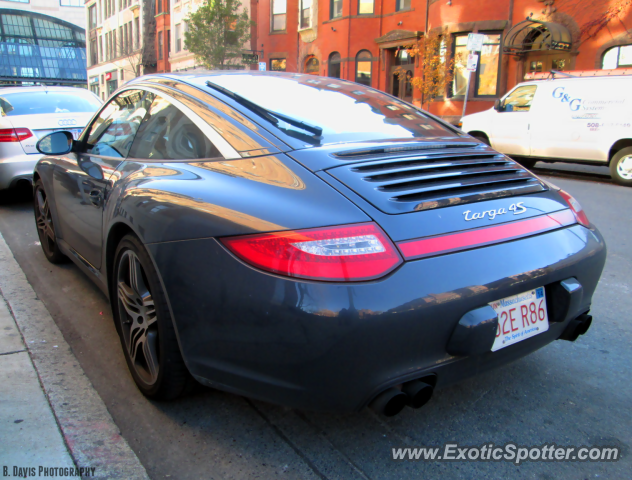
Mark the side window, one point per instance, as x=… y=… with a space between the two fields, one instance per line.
x=520 y=99
x=168 y=134
x=112 y=133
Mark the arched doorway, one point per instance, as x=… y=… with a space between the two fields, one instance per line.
x=363 y=67
x=334 y=65
x=312 y=65
x=542 y=46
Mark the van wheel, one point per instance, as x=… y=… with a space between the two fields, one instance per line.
x=482 y=137
x=621 y=167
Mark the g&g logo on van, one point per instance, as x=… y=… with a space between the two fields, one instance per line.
x=573 y=103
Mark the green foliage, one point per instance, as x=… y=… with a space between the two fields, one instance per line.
x=217 y=33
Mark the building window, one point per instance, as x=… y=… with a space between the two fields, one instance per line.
x=160 y=45
x=19 y=1
x=278 y=64
x=137 y=35
x=306 y=13
x=168 y=42
x=335 y=8
x=279 y=10
x=334 y=65
x=459 y=84
x=312 y=66
x=94 y=52
x=617 y=57
x=402 y=5
x=178 y=37
x=488 y=66
x=71 y=3
x=162 y=6
x=92 y=17
x=486 y=75
x=363 y=67
x=366 y=7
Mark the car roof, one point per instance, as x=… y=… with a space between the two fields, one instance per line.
x=200 y=77
x=37 y=88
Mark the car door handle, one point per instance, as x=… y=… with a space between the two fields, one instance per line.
x=96 y=197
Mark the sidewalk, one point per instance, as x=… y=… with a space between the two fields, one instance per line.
x=50 y=415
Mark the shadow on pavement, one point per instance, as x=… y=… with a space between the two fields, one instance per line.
x=17 y=195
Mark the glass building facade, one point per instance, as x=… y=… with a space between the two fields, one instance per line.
x=36 y=48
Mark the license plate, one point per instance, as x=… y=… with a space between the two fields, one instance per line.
x=75 y=132
x=520 y=317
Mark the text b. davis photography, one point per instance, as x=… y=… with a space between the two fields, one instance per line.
x=315 y=239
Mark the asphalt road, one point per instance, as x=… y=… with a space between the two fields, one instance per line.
x=565 y=394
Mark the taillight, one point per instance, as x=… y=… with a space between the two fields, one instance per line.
x=577 y=209
x=14 y=134
x=345 y=253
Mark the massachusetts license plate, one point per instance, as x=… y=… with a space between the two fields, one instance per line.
x=76 y=132
x=520 y=317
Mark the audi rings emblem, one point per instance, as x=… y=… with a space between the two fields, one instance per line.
x=67 y=122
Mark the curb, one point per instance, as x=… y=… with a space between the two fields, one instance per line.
x=90 y=434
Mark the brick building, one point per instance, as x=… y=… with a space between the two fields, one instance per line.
x=363 y=40
x=163 y=35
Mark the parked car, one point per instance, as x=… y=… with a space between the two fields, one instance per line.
x=30 y=113
x=310 y=241
x=581 y=120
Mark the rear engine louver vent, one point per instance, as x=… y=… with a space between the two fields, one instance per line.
x=441 y=179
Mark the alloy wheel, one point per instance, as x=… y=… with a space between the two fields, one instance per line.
x=137 y=314
x=44 y=222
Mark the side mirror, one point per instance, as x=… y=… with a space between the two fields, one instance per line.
x=56 y=143
x=498 y=106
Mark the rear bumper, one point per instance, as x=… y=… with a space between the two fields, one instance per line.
x=16 y=168
x=335 y=346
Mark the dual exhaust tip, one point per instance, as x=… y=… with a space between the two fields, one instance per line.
x=577 y=327
x=417 y=393
x=414 y=394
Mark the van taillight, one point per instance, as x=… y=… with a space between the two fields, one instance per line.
x=14 y=134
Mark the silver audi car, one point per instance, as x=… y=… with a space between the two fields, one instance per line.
x=27 y=114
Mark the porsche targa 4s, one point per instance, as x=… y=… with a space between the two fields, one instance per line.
x=310 y=241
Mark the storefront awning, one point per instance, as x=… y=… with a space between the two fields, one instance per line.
x=535 y=36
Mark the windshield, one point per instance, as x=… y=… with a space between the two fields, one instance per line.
x=33 y=103
x=345 y=111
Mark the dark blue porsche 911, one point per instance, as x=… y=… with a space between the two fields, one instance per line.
x=310 y=241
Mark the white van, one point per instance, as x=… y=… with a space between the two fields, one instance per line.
x=581 y=120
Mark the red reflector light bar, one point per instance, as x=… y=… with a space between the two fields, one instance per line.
x=14 y=134
x=438 y=245
x=344 y=253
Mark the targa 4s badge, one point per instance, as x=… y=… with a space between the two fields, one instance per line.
x=516 y=208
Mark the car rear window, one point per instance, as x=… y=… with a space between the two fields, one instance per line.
x=345 y=111
x=33 y=103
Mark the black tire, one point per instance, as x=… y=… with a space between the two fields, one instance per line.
x=144 y=324
x=527 y=163
x=482 y=137
x=621 y=167
x=45 y=227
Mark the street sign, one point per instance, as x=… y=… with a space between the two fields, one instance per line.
x=250 y=58
x=475 y=42
x=472 y=62
x=262 y=66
